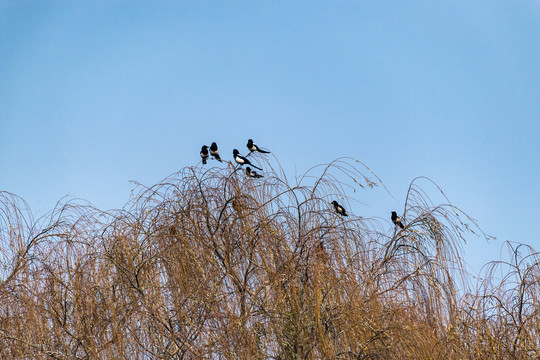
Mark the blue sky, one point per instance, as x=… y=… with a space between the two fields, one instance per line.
x=94 y=95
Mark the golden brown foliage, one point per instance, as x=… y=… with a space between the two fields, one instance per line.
x=213 y=264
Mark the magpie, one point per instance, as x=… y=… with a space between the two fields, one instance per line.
x=339 y=209
x=396 y=220
x=253 y=173
x=204 y=154
x=252 y=147
x=214 y=151
x=242 y=160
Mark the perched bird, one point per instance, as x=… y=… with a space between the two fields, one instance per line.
x=242 y=160
x=339 y=209
x=214 y=151
x=396 y=220
x=204 y=154
x=252 y=173
x=252 y=147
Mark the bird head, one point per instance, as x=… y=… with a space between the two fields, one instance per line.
x=235 y=152
x=204 y=147
x=248 y=169
x=334 y=203
x=394 y=213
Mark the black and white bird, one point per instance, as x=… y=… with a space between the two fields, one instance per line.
x=204 y=154
x=396 y=220
x=339 y=209
x=252 y=173
x=214 y=151
x=242 y=160
x=252 y=147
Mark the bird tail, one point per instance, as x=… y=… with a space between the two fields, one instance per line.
x=218 y=158
x=264 y=151
x=256 y=167
x=204 y=161
x=401 y=225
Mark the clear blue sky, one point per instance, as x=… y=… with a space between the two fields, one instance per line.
x=94 y=95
